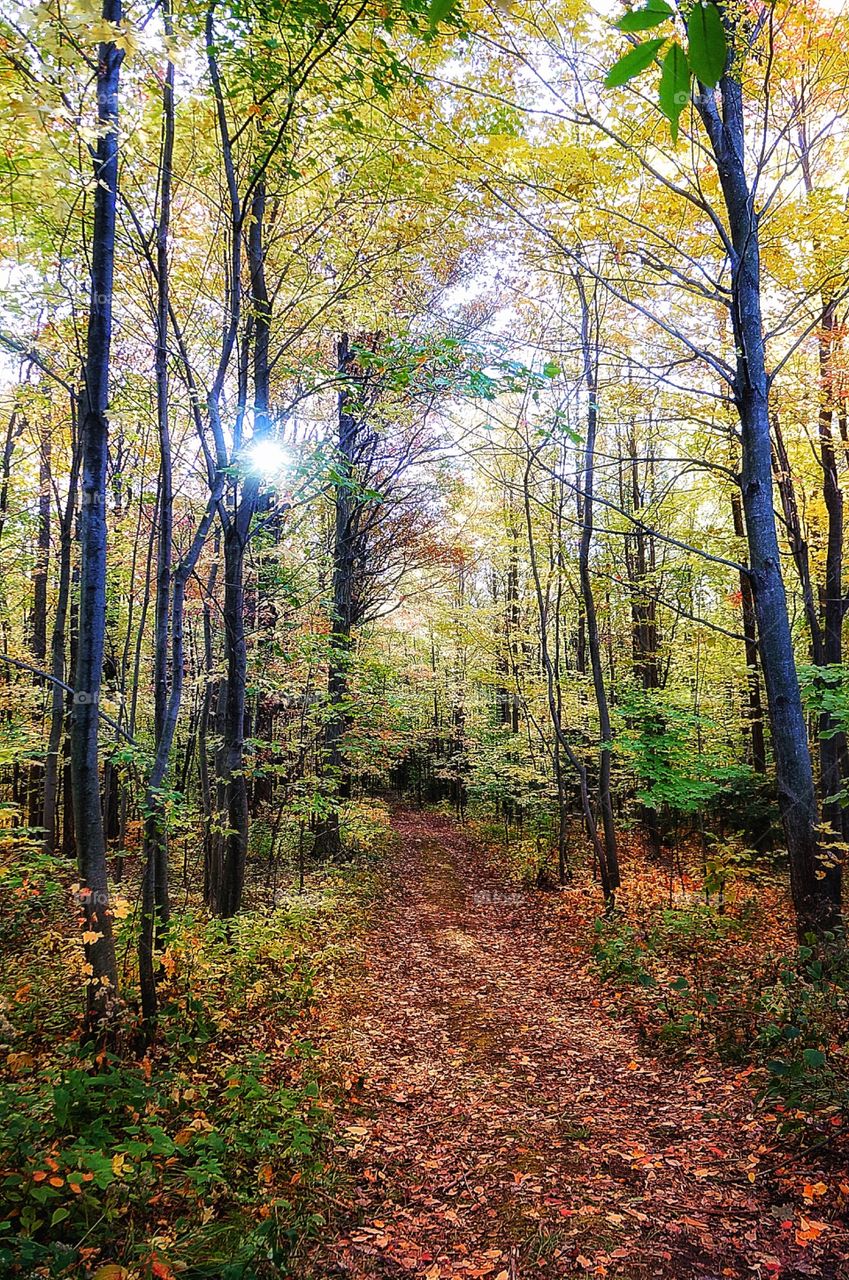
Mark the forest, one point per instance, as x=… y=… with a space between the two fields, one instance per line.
x=424 y=715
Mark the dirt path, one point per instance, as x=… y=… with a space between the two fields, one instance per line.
x=505 y=1126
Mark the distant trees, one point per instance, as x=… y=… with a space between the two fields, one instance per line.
x=381 y=517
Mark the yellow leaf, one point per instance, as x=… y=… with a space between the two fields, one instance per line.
x=103 y=32
x=127 y=40
x=18 y=1062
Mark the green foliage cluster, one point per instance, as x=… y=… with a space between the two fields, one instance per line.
x=681 y=769
x=96 y=1141
x=30 y=887
x=804 y=1035
x=703 y=58
x=521 y=796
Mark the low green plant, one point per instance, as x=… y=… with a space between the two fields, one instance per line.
x=803 y=1036
x=619 y=953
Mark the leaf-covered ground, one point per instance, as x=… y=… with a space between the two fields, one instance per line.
x=504 y=1122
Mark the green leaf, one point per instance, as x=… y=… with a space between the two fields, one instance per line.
x=633 y=62
x=440 y=10
x=674 y=86
x=708 y=50
x=655 y=12
x=814 y=1058
x=551 y=370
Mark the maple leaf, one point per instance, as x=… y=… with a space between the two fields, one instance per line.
x=809 y=1230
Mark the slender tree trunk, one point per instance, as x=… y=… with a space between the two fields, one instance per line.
x=832 y=741
x=88 y=821
x=815 y=882
x=229 y=855
x=328 y=841
x=155 y=898
x=555 y=706
x=50 y=811
x=590 y=362
x=640 y=563
x=507 y=700
x=42 y=564
x=824 y=616
x=69 y=845
x=747 y=606
x=14 y=427
x=231 y=840
x=203 y=731
x=39 y=602
x=513 y=620
x=154 y=801
x=796 y=539
x=834 y=756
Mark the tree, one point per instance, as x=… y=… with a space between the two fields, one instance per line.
x=94 y=435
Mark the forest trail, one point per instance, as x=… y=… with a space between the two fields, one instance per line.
x=504 y=1125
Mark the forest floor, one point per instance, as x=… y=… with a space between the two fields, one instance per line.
x=503 y=1121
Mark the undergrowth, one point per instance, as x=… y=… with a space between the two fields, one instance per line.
x=206 y=1157
x=695 y=979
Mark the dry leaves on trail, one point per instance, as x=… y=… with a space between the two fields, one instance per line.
x=503 y=1124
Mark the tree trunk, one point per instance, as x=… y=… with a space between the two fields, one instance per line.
x=815 y=882
x=155 y=910
x=833 y=603
x=228 y=856
x=50 y=810
x=747 y=606
x=203 y=730
x=640 y=563
x=555 y=710
x=590 y=363
x=88 y=821
x=69 y=844
x=39 y=603
x=42 y=563
x=832 y=742
x=328 y=841
x=230 y=842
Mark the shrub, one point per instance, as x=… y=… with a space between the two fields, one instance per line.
x=205 y=1156
x=803 y=1036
